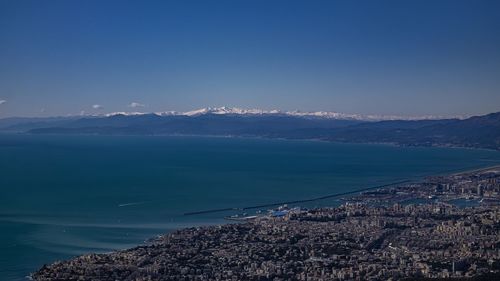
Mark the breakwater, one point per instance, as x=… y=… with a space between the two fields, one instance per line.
x=294 y=201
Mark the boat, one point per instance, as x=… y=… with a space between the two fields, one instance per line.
x=238 y=218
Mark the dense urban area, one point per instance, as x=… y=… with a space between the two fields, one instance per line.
x=446 y=226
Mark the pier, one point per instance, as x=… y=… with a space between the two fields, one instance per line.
x=294 y=201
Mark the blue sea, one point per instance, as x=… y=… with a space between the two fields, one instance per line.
x=62 y=196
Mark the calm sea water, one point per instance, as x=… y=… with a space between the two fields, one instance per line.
x=62 y=196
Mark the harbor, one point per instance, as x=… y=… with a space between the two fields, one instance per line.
x=295 y=201
x=362 y=239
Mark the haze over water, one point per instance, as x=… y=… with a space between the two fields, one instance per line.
x=62 y=196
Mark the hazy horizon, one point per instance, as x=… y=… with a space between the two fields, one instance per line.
x=408 y=58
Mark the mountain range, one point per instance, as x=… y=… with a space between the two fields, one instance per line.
x=259 y=112
x=477 y=131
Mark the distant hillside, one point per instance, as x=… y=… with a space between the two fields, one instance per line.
x=477 y=132
x=23 y=124
x=207 y=124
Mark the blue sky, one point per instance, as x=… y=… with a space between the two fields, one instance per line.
x=372 y=57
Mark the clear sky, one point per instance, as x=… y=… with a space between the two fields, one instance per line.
x=372 y=57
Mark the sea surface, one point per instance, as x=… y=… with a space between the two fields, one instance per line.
x=62 y=196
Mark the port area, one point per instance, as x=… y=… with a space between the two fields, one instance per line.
x=295 y=202
x=279 y=212
x=410 y=231
x=478 y=188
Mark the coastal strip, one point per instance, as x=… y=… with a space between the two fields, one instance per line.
x=296 y=201
x=357 y=240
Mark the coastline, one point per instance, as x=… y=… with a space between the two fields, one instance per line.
x=380 y=239
x=96 y=142
x=420 y=179
x=393 y=144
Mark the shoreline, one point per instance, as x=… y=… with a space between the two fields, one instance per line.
x=383 y=236
x=419 y=179
x=284 y=143
x=393 y=144
x=297 y=201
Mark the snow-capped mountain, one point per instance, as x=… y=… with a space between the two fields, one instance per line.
x=230 y=111
x=478 y=131
x=317 y=114
x=120 y=113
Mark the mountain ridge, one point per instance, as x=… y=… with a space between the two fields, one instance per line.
x=477 y=131
x=306 y=114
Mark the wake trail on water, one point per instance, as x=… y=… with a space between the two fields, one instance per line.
x=131 y=204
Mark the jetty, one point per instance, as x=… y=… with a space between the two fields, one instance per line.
x=295 y=201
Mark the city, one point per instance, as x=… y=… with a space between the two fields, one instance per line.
x=372 y=236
